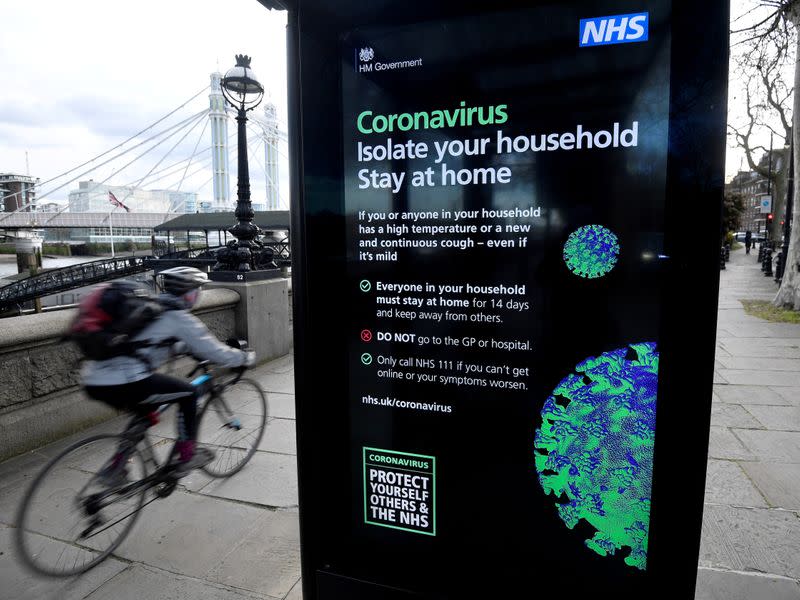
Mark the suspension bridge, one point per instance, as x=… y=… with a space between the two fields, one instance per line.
x=178 y=165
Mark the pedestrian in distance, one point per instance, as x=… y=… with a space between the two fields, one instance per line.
x=748 y=241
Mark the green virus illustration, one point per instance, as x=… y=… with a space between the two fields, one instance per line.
x=594 y=450
x=591 y=251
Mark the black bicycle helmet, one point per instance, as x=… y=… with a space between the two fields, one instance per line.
x=180 y=280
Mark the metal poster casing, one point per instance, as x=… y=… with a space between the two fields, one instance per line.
x=492 y=249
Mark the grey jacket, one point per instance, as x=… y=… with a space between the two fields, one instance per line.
x=180 y=325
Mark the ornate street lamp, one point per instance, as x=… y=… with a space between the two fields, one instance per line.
x=243 y=92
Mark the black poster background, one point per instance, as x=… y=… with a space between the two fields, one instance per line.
x=496 y=529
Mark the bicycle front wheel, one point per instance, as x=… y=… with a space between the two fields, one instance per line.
x=70 y=518
x=232 y=425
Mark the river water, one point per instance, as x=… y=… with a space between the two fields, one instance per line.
x=8 y=262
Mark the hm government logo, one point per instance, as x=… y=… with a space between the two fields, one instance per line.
x=365 y=57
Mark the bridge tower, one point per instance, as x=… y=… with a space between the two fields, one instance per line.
x=270 y=129
x=219 y=149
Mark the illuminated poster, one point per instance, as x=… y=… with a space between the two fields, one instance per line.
x=504 y=234
x=503 y=184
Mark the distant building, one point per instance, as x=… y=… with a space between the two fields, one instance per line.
x=19 y=192
x=50 y=207
x=752 y=187
x=93 y=197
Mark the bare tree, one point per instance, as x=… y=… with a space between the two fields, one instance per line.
x=766 y=50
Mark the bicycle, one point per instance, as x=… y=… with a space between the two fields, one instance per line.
x=72 y=518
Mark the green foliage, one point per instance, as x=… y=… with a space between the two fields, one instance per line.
x=56 y=249
x=769 y=312
x=732 y=210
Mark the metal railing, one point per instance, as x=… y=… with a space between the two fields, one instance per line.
x=70 y=278
x=80 y=275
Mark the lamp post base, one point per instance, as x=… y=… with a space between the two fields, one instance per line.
x=245 y=276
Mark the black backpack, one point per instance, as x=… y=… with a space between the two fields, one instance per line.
x=110 y=316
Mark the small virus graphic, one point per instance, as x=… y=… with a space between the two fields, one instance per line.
x=594 y=450
x=591 y=251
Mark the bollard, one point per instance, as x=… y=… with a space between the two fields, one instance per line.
x=727 y=252
x=768 y=262
x=722 y=258
x=779 y=266
x=761 y=252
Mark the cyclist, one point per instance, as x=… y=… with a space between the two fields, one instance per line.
x=131 y=382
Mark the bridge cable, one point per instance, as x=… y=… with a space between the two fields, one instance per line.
x=179 y=125
x=149 y=127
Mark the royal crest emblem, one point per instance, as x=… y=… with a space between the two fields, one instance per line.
x=366 y=54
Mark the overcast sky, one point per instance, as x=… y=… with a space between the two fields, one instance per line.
x=80 y=77
x=743 y=13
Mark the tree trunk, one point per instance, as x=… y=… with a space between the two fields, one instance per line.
x=789 y=293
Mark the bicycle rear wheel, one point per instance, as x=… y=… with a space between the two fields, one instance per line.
x=232 y=424
x=70 y=520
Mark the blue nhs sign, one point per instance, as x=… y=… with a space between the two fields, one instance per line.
x=616 y=29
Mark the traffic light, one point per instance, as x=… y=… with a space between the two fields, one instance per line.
x=769 y=218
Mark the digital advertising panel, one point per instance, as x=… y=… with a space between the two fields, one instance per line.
x=489 y=340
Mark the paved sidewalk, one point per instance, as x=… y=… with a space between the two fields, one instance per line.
x=751 y=525
x=238 y=539
x=233 y=539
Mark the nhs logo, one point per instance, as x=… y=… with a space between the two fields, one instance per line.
x=616 y=29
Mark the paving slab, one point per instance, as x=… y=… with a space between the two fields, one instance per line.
x=188 y=533
x=279 y=437
x=282 y=383
x=142 y=582
x=267 y=480
x=771 y=446
x=297 y=591
x=281 y=405
x=721 y=352
x=17 y=583
x=777 y=418
x=726 y=585
x=779 y=483
x=733 y=415
x=759 y=348
x=727 y=483
x=724 y=445
x=760 y=363
x=54 y=501
x=267 y=561
x=790 y=394
x=766 y=378
x=719 y=379
x=18 y=471
x=751 y=539
x=763 y=329
x=284 y=364
x=750 y=394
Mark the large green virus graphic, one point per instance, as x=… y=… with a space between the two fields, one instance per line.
x=594 y=450
x=591 y=251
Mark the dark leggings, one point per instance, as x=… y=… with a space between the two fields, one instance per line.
x=144 y=396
